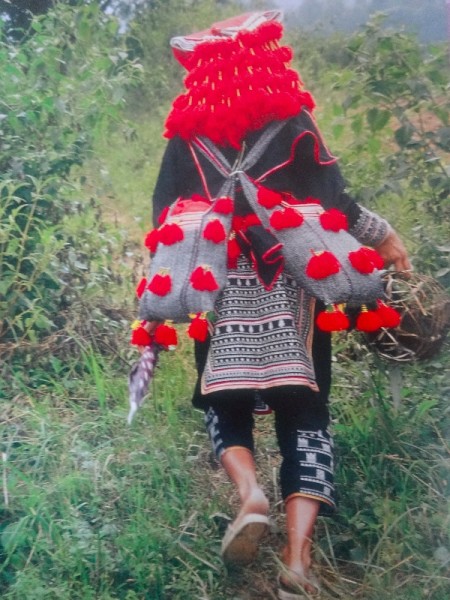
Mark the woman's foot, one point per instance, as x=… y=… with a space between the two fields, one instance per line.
x=253 y=502
x=241 y=541
x=297 y=577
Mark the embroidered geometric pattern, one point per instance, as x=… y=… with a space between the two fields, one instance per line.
x=211 y=422
x=261 y=338
x=370 y=229
x=315 y=457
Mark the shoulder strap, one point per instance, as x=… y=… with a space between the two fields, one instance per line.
x=243 y=162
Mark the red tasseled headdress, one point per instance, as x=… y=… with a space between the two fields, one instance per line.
x=239 y=80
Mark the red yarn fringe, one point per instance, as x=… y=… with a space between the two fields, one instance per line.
x=170 y=233
x=365 y=260
x=203 y=280
x=224 y=206
x=236 y=86
x=140 y=288
x=198 y=328
x=288 y=217
x=151 y=240
x=161 y=284
x=388 y=315
x=323 y=265
x=368 y=320
x=332 y=320
x=166 y=335
x=233 y=252
x=140 y=337
x=333 y=220
x=215 y=232
x=269 y=198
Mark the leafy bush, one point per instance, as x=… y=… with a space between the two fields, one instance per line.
x=388 y=115
x=60 y=88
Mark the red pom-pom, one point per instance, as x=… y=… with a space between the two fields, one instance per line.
x=375 y=257
x=215 y=231
x=166 y=335
x=198 y=328
x=161 y=284
x=140 y=337
x=140 y=288
x=170 y=233
x=233 y=252
x=269 y=198
x=288 y=217
x=202 y=279
x=163 y=216
x=388 y=315
x=151 y=240
x=332 y=320
x=333 y=220
x=224 y=206
x=368 y=320
x=323 y=265
x=365 y=260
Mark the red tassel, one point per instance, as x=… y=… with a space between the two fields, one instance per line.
x=332 y=320
x=140 y=288
x=368 y=320
x=161 y=284
x=268 y=198
x=365 y=260
x=215 y=232
x=140 y=337
x=170 y=233
x=333 y=220
x=224 y=206
x=151 y=240
x=288 y=217
x=322 y=265
x=163 y=216
x=233 y=252
x=388 y=315
x=166 y=335
x=198 y=328
x=202 y=279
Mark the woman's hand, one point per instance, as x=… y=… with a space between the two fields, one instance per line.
x=393 y=252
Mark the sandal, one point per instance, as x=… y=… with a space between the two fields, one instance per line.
x=292 y=589
x=241 y=539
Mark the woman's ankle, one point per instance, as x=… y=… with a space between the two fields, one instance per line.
x=254 y=501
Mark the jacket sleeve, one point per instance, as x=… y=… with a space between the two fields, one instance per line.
x=167 y=186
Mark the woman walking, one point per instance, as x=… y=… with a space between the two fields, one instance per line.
x=264 y=346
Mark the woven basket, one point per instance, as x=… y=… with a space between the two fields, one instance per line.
x=424 y=307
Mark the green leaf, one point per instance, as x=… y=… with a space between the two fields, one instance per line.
x=443 y=138
x=377 y=118
x=403 y=135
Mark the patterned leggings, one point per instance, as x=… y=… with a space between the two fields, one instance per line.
x=305 y=444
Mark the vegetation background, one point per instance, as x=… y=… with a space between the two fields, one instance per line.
x=91 y=508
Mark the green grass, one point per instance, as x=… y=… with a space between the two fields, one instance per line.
x=124 y=170
x=99 y=509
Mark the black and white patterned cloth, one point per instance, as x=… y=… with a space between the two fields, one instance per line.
x=262 y=339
